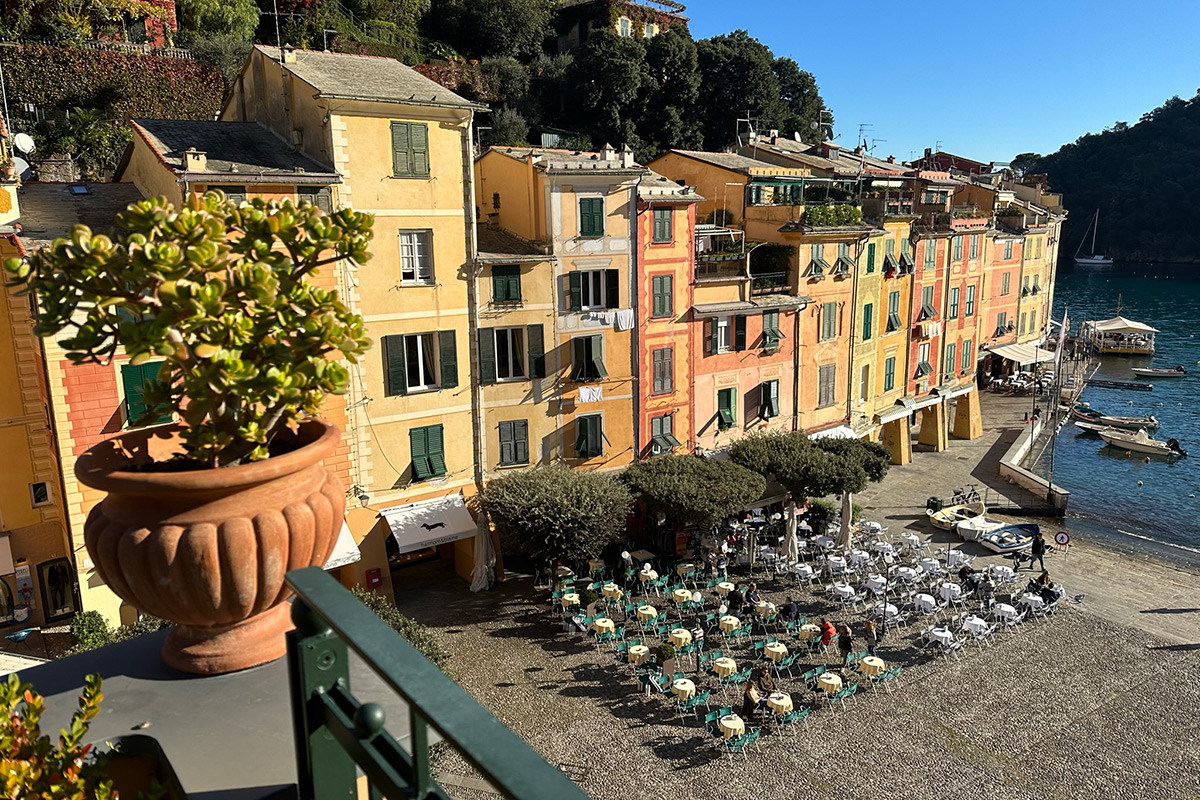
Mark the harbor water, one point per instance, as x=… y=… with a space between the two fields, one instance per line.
x=1144 y=507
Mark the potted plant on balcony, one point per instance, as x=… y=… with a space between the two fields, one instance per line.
x=203 y=516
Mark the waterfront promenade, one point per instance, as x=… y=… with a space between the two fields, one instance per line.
x=1124 y=586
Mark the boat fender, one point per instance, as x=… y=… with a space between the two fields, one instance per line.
x=1147 y=459
x=1139 y=483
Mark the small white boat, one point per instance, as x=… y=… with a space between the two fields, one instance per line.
x=1009 y=538
x=1084 y=413
x=950 y=516
x=1153 y=372
x=1090 y=427
x=1141 y=442
x=1095 y=259
x=971 y=529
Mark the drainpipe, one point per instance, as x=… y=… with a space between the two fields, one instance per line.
x=796 y=366
x=635 y=286
x=477 y=417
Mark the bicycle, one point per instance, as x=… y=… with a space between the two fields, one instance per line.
x=962 y=496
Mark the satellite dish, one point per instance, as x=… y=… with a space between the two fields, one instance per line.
x=796 y=136
x=813 y=125
x=24 y=143
x=24 y=171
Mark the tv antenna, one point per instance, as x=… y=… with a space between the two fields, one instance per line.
x=750 y=123
x=863 y=129
x=824 y=124
x=937 y=146
x=875 y=142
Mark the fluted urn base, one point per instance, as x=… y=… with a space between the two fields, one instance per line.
x=208 y=549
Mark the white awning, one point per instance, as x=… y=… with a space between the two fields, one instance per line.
x=840 y=432
x=6 y=558
x=1023 y=353
x=345 y=551
x=419 y=525
x=1121 y=325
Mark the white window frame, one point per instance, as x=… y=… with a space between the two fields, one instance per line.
x=624 y=27
x=515 y=343
x=423 y=340
x=724 y=334
x=588 y=279
x=413 y=238
x=49 y=501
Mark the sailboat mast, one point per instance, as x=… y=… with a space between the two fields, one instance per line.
x=1095 y=227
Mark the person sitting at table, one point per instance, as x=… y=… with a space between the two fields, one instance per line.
x=871 y=634
x=1044 y=578
x=752 y=696
x=828 y=632
x=752 y=596
x=966 y=576
x=790 y=610
x=984 y=590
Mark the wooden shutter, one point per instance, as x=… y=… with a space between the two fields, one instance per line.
x=487 y=356
x=418 y=444
x=871 y=257
x=135 y=404
x=537 y=351
x=419 y=144
x=868 y=320
x=597 y=358
x=506 y=444
x=575 y=287
x=449 y=359
x=612 y=295
x=579 y=358
x=581 y=437
x=521 y=441
x=713 y=335
x=401 y=165
x=437 y=457
x=395 y=377
x=739 y=332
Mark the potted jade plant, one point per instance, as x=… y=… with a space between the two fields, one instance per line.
x=206 y=512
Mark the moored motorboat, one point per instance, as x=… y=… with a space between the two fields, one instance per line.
x=1156 y=372
x=1010 y=538
x=950 y=516
x=1141 y=442
x=969 y=530
x=1085 y=413
x=1089 y=427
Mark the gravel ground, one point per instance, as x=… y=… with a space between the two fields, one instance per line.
x=1071 y=707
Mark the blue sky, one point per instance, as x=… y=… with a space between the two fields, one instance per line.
x=988 y=80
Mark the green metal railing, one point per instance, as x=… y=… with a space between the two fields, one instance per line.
x=335 y=732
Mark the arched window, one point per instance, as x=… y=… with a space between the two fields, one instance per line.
x=58 y=592
x=623 y=26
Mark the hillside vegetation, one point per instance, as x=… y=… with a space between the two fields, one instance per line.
x=1141 y=177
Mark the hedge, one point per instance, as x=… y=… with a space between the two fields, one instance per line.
x=124 y=85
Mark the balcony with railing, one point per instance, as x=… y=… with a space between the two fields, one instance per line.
x=351 y=711
x=721 y=253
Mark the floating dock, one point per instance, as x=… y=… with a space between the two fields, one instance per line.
x=1137 y=386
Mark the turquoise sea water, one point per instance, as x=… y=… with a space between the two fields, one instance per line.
x=1163 y=514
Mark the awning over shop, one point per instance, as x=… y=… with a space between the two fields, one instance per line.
x=345 y=551
x=419 y=525
x=1023 y=353
x=948 y=392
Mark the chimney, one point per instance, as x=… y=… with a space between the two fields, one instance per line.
x=288 y=54
x=626 y=157
x=891 y=159
x=608 y=153
x=928 y=152
x=194 y=160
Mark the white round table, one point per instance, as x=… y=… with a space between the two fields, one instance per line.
x=647 y=613
x=681 y=596
x=860 y=557
x=724 y=667
x=890 y=610
x=780 y=702
x=724 y=588
x=729 y=623
x=873 y=665
x=613 y=591
x=843 y=590
x=683 y=689
x=776 y=651
x=603 y=625
x=764 y=609
x=974 y=624
x=680 y=637
x=942 y=635
x=732 y=726
x=924 y=602
x=950 y=591
x=829 y=683
x=638 y=654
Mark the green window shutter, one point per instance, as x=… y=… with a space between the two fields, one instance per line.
x=712 y=336
x=596 y=436
x=868 y=321
x=521 y=441
x=739 y=332
x=591 y=216
x=656 y=296
x=612 y=297
x=579 y=358
x=726 y=418
x=581 y=437
x=771 y=332
x=418 y=443
x=575 y=285
x=870 y=257
x=448 y=355
x=662 y=225
x=401 y=149
x=437 y=453
x=507 y=454
x=395 y=377
x=588 y=437
x=487 y=356
x=419 y=136
x=135 y=404
x=597 y=358
x=537 y=351
x=506 y=283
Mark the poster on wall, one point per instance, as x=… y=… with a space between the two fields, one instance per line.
x=24 y=585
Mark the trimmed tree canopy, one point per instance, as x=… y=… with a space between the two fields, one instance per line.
x=813 y=467
x=554 y=512
x=694 y=491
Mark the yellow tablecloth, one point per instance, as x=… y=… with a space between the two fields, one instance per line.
x=648 y=575
x=603 y=625
x=780 y=703
x=724 y=667
x=776 y=651
x=809 y=632
x=638 y=654
x=765 y=609
x=873 y=665
x=683 y=689
x=681 y=637
x=564 y=572
x=829 y=683
x=684 y=569
x=730 y=623
x=595 y=564
x=612 y=590
x=646 y=613
x=570 y=599
x=681 y=596
x=724 y=588
x=732 y=726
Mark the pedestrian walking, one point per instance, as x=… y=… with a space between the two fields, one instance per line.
x=1037 y=551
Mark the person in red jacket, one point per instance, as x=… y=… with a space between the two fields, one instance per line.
x=828 y=632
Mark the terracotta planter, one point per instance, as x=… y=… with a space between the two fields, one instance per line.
x=208 y=549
